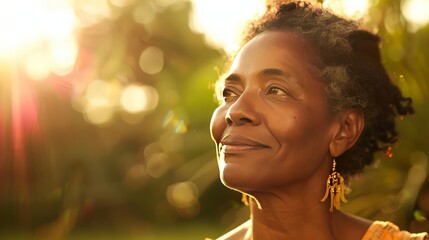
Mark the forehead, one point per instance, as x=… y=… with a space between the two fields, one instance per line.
x=275 y=47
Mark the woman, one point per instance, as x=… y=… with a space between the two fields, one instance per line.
x=305 y=105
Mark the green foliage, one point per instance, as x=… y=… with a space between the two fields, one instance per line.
x=123 y=174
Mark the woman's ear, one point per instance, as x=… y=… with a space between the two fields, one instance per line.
x=351 y=124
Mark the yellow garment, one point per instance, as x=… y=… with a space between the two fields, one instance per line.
x=388 y=231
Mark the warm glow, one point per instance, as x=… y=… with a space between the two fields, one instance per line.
x=23 y=22
x=182 y=195
x=416 y=12
x=63 y=55
x=136 y=98
x=98 y=114
x=100 y=93
x=40 y=35
x=100 y=100
x=354 y=9
x=91 y=12
x=157 y=165
x=15 y=22
x=121 y=3
x=151 y=60
x=222 y=21
x=144 y=13
x=36 y=67
x=133 y=99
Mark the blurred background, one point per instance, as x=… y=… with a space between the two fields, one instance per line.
x=105 y=108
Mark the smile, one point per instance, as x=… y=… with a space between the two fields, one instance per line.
x=237 y=144
x=239 y=148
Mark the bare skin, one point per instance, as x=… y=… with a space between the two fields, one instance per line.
x=276 y=139
x=339 y=226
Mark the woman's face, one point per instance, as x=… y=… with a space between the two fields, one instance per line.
x=273 y=127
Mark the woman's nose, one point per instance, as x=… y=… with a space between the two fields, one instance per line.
x=243 y=111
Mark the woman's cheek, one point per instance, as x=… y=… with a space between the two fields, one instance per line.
x=217 y=124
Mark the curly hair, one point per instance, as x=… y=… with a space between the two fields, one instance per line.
x=349 y=63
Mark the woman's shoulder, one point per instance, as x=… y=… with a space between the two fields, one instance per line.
x=380 y=230
x=238 y=233
x=349 y=225
x=354 y=226
x=364 y=229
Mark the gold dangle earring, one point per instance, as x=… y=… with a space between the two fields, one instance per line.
x=244 y=199
x=335 y=187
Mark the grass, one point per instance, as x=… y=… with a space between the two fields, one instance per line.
x=177 y=232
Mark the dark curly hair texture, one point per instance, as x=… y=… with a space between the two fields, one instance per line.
x=350 y=65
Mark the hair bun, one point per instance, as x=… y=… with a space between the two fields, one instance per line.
x=366 y=44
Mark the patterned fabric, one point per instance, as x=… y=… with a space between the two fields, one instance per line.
x=388 y=231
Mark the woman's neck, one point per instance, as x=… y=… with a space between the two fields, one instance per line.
x=293 y=214
x=290 y=224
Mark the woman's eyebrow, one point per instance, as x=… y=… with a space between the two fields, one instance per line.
x=233 y=78
x=275 y=72
x=267 y=72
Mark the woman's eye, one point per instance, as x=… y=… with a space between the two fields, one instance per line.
x=227 y=94
x=277 y=91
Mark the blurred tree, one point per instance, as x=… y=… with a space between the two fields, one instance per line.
x=98 y=161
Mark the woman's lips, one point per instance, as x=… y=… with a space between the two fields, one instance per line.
x=239 y=148
x=238 y=144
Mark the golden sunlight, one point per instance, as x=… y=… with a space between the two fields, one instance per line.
x=223 y=21
x=354 y=9
x=415 y=11
x=40 y=33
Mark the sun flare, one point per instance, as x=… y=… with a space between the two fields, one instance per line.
x=40 y=35
x=223 y=21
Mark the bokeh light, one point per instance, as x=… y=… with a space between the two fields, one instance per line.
x=91 y=12
x=105 y=107
x=41 y=37
x=101 y=98
x=223 y=21
x=157 y=164
x=416 y=13
x=63 y=55
x=144 y=13
x=151 y=60
x=98 y=114
x=100 y=93
x=121 y=3
x=38 y=20
x=354 y=9
x=184 y=197
x=36 y=65
x=135 y=98
x=136 y=175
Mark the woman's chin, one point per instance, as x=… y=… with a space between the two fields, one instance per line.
x=236 y=180
x=231 y=180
